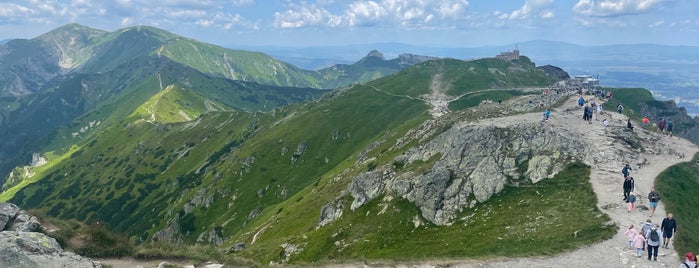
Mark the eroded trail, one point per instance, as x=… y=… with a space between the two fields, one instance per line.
x=606 y=156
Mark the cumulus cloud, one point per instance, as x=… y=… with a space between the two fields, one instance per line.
x=203 y=13
x=11 y=10
x=414 y=13
x=531 y=9
x=610 y=8
x=304 y=15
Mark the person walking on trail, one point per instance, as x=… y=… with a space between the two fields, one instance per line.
x=647 y=225
x=631 y=234
x=653 y=239
x=625 y=170
x=620 y=108
x=631 y=201
x=669 y=227
x=661 y=125
x=690 y=261
x=629 y=125
x=638 y=242
x=653 y=199
x=628 y=187
x=581 y=101
x=669 y=127
x=645 y=121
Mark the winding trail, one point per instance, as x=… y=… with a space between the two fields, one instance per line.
x=608 y=157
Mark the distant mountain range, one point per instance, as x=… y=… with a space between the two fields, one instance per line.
x=670 y=72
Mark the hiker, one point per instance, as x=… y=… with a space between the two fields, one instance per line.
x=628 y=187
x=631 y=234
x=581 y=101
x=629 y=125
x=625 y=170
x=547 y=113
x=670 y=125
x=653 y=198
x=645 y=121
x=638 y=242
x=599 y=109
x=631 y=201
x=653 y=239
x=605 y=122
x=661 y=125
x=668 y=226
x=620 y=108
x=647 y=225
x=690 y=261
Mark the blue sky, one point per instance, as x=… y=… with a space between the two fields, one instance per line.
x=449 y=23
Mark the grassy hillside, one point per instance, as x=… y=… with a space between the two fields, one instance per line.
x=676 y=186
x=164 y=168
x=455 y=77
x=550 y=217
x=236 y=64
x=167 y=165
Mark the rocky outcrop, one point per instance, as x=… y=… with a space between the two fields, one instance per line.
x=554 y=71
x=468 y=164
x=32 y=249
x=21 y=245
x=684 y=125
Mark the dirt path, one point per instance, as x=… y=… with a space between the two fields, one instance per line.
x=607 y=158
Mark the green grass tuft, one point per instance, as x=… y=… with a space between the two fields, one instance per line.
x=677 y=185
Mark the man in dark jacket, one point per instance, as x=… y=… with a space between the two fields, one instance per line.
x=628 y=186
x=668 y=226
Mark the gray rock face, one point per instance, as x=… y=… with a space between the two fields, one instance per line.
x=31 y=249
x=470 y=164
x=22 y=224
x=330 y=212
x=8 y=212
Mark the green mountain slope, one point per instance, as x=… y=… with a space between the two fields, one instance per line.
x=65 y=74
x=225 y=177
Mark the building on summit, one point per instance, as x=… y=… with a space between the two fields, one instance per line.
x=509 y=55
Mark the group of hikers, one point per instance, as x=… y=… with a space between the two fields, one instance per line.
x=590 y=109
x=664 y=126
x=651 y=237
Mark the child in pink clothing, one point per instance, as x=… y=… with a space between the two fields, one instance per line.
x=631 y=233
x=631 y=200
x=638 y=244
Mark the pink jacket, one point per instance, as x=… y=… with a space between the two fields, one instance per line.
x=638 y=241
x=631 y=233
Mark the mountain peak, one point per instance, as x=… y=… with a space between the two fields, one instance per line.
x=375 y=54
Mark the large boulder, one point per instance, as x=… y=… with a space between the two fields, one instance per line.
x=8 y=212
x=31 y=249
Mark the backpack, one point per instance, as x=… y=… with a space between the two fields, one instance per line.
x=654 y=236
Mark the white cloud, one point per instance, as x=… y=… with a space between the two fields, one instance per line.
x=412 y=13
x=241 y=3
x=125 y=22
x=609 y=8
x=304 y=15
x=657 y=24
x=10 y=10
x=530 y=10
